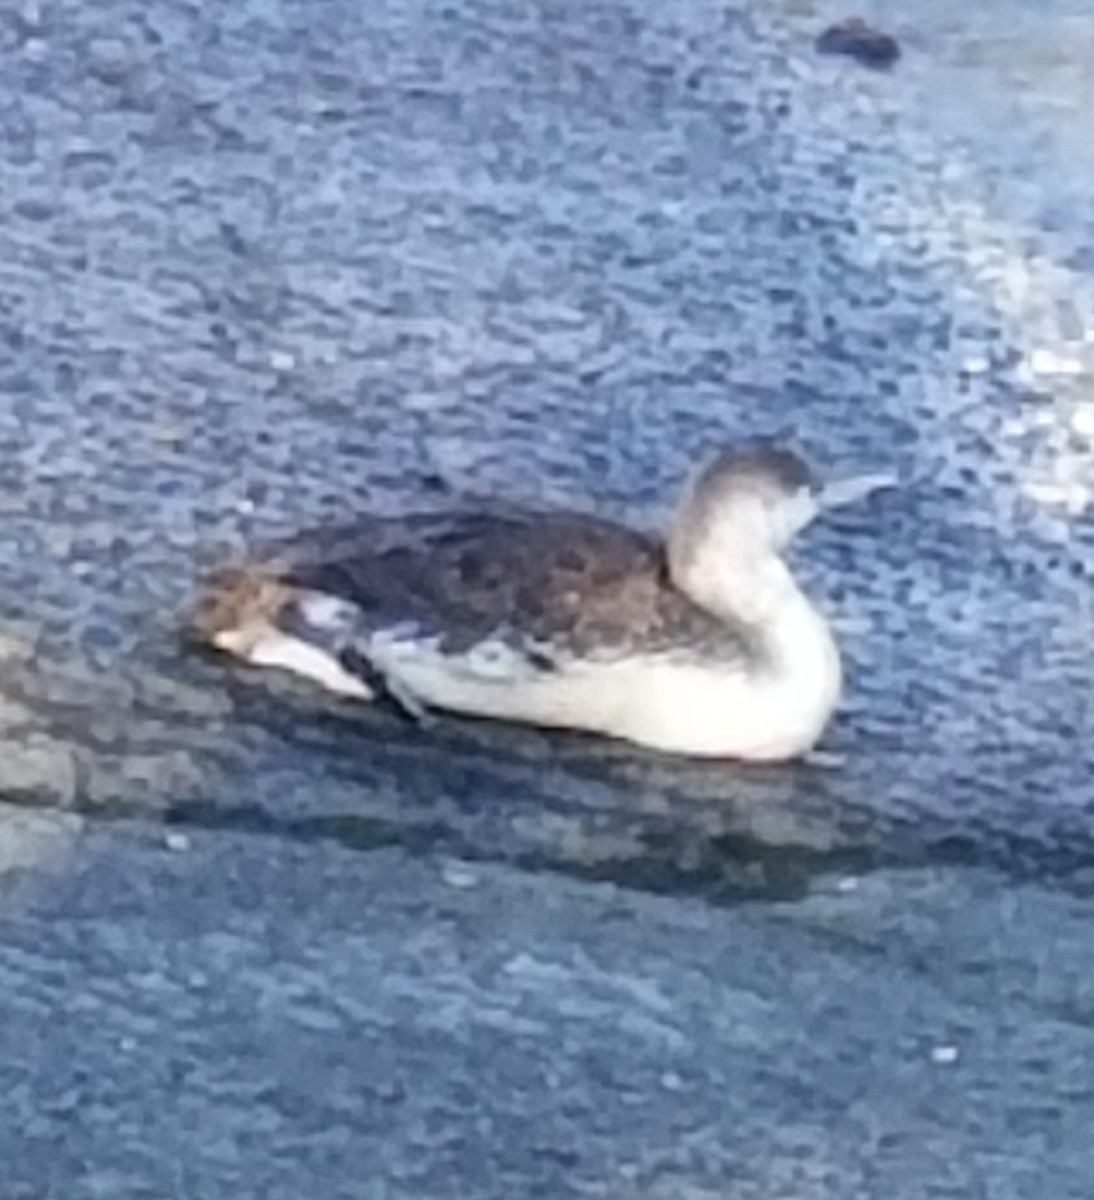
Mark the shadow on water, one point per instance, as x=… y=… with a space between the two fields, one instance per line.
x=478 y=792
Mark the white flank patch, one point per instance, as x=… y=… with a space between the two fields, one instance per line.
x=327 y=612
x=495 y=659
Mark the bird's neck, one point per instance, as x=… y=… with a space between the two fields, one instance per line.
x=744 y=587
x=757 y=591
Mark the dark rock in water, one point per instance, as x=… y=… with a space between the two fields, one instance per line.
x=859 y=41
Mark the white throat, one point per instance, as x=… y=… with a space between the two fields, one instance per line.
x=741 y=588
x=798 y=679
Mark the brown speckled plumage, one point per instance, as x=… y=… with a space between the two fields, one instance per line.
x=552 y=585
x=574 y=584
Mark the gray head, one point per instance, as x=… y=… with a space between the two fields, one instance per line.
x=751 y=502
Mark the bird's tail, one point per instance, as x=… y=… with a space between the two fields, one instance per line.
x=237 y=606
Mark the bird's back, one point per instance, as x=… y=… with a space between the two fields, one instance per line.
x=574 y=583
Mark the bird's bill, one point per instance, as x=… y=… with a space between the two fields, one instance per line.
x=841 y=492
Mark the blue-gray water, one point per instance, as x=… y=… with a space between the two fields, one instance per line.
x=263 y=264
x=265 y=260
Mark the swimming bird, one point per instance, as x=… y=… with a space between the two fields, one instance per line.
x=698 y=642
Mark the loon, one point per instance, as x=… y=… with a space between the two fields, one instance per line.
x=698 y=643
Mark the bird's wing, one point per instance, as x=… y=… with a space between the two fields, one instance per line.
x=570 y=584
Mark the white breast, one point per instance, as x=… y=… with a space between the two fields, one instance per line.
x=703 y=712
x=670 y=702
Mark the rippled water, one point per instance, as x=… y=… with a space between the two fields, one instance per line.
x=264 y=261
